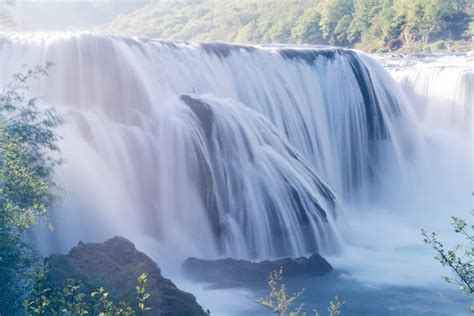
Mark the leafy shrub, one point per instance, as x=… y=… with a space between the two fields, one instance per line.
x=27 y=189
x=281 y=303
x=460 y=259
x=71 y=300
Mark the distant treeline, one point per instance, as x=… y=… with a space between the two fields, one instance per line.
x=372 y=25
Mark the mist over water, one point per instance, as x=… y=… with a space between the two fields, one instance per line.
x=439 y=89
x=214 y=150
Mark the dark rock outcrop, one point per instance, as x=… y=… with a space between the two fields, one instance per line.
x=115 y=265
x=242 y=273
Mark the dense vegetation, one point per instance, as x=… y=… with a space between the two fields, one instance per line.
x=27 y=189
x=368 y=24
x=71 y=300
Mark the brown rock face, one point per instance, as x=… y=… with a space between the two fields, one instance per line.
x=115 y=265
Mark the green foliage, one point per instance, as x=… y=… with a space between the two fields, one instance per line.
x=106 y=307
x=306 y=28
x=460 y=259
x=336 y=18
x=27 y=190
x=142 y=294
x=27 y=143
x=71 y=300
x=369 y=24
x=428 y=20
x=39 y=303
x=335 y=306
x=279 y=302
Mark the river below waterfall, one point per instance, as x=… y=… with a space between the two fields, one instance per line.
x=360 y=298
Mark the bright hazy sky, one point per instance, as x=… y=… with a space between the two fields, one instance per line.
x=60 y=15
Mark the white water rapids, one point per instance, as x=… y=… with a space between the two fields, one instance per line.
x=215 y=150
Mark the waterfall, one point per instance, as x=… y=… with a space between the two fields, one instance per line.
x=213 y=149
x=439 y=87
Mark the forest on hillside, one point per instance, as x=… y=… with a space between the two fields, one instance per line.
x=371 y=25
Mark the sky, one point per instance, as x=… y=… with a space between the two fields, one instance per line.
x=63 y=15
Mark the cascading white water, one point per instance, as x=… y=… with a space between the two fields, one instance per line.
x=215 y=149
x=440 y=90
x=439 y=87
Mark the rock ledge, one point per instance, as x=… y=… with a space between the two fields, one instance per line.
x=229 y=272
x=115 y=265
